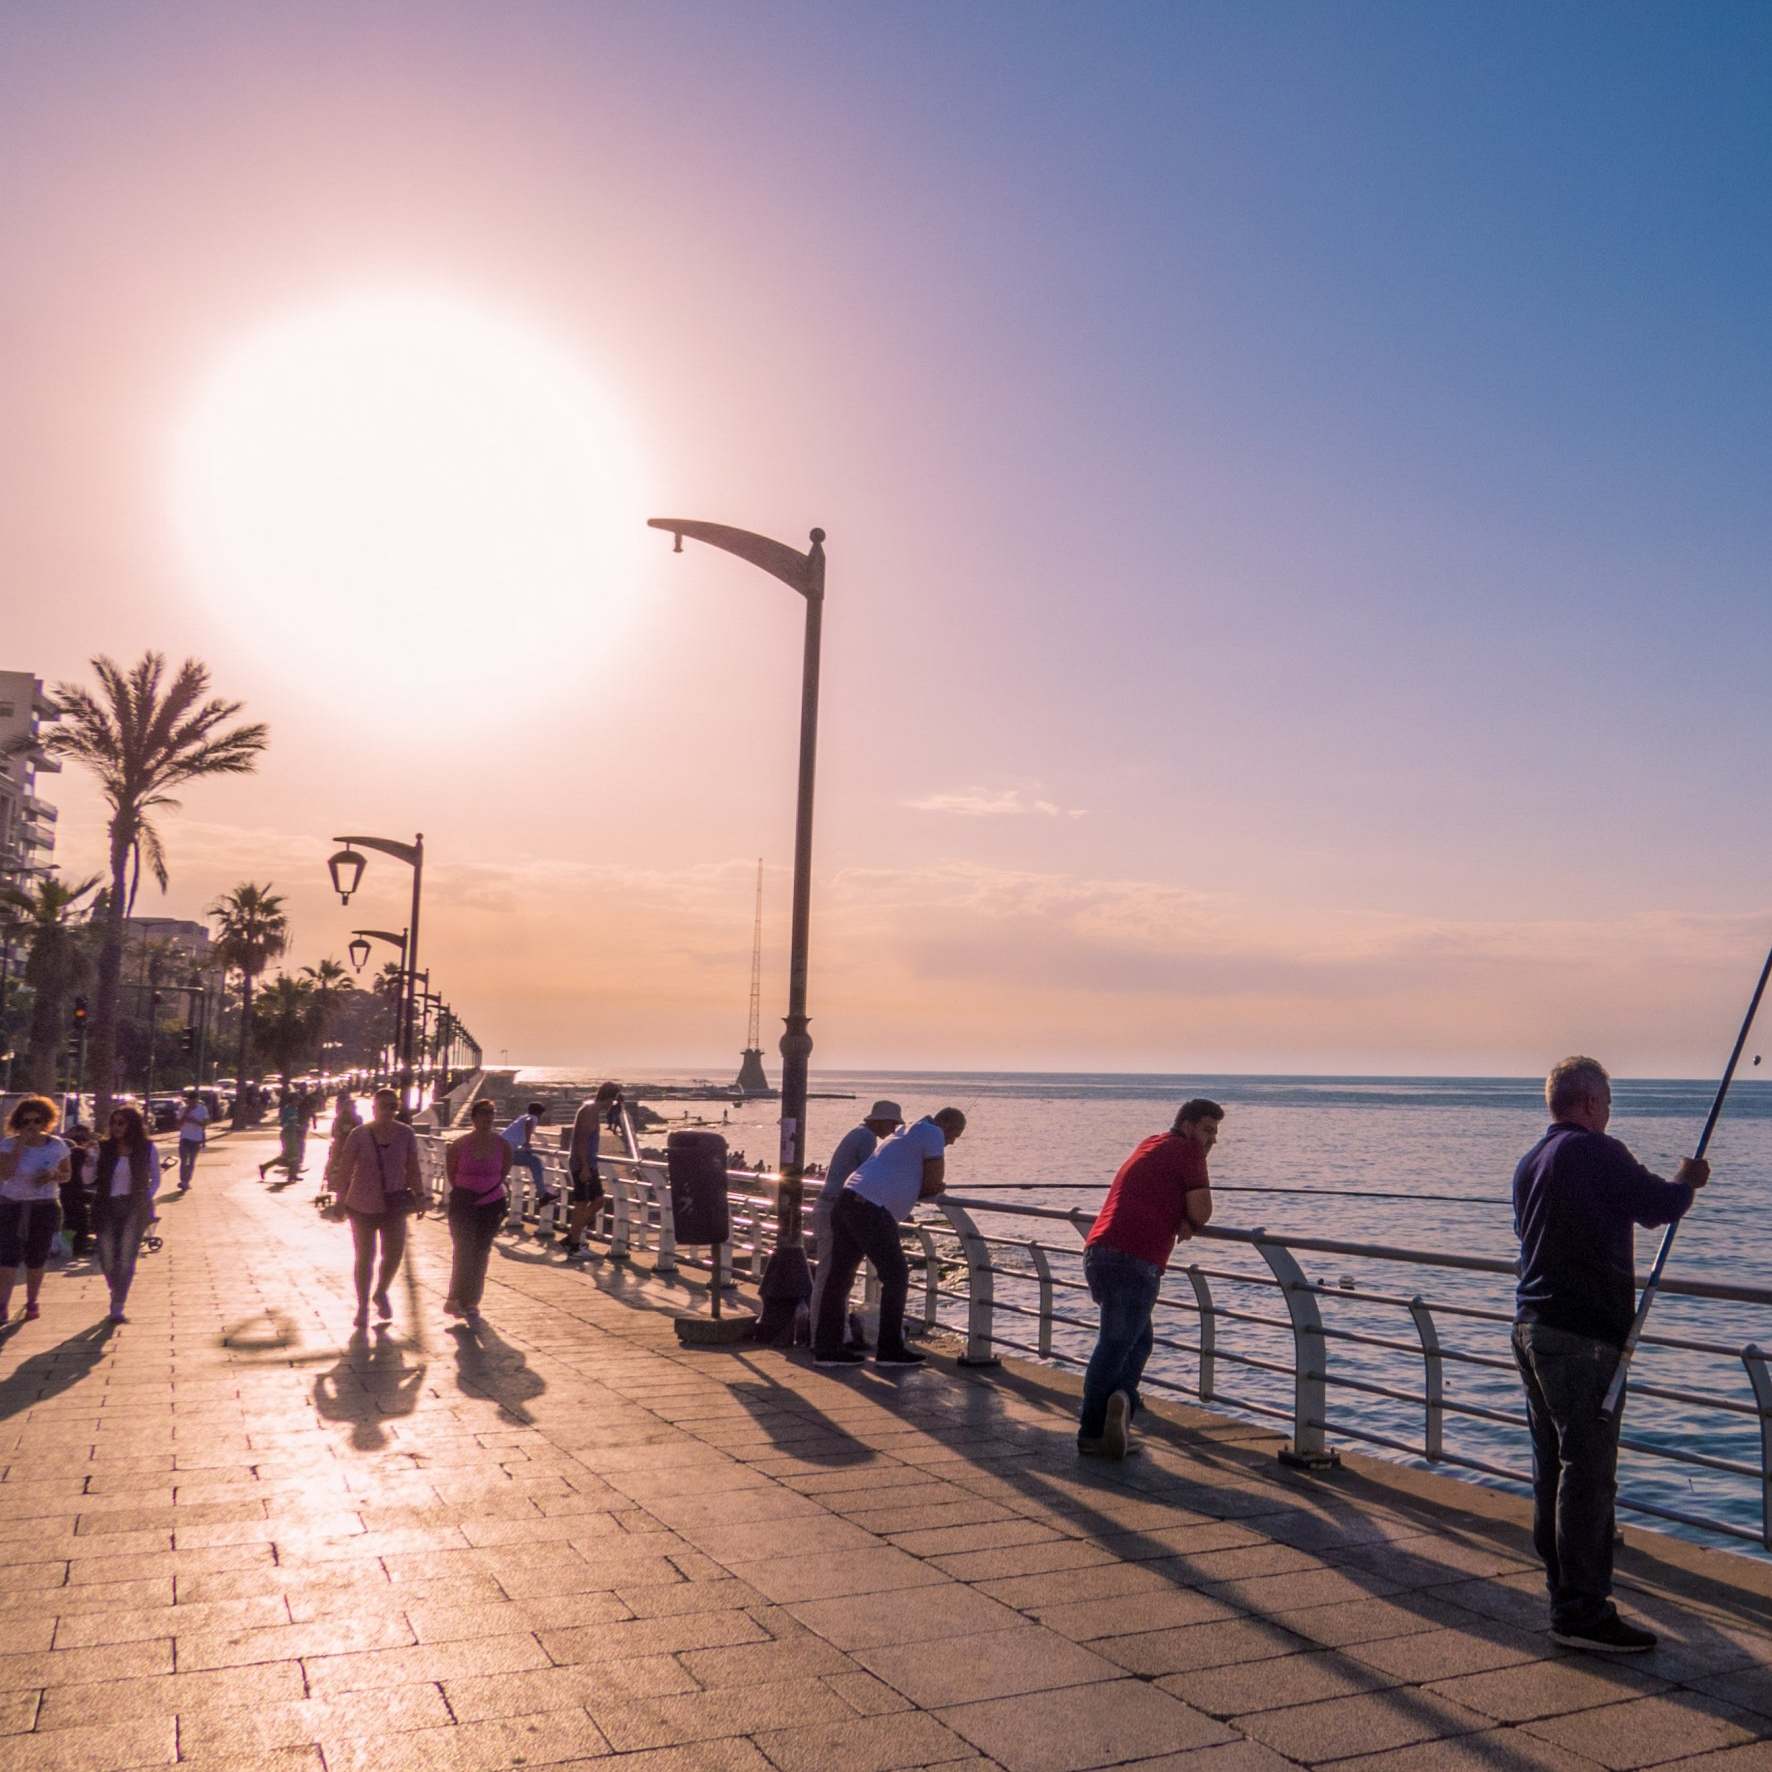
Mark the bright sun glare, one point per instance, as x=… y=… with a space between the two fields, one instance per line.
x=406 y=477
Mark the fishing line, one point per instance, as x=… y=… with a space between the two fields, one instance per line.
x=1615 y=1391
x=1333 y=1193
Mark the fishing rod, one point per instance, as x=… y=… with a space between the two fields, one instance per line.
x=1218 y=1187
x=1615 y=1391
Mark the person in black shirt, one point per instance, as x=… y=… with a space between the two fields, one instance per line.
x=1577 y=1195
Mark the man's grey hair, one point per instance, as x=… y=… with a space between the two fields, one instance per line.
x=950 y=1117
x=1571 y=1081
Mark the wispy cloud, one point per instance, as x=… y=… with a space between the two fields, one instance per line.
x=986 y=803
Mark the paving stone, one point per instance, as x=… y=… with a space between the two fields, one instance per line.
x=1426 y=1655
x=905 y=1615
x=1269 y=1684
x=1646 y=1731
x=1123 y=1615
x=652 y=1636
x=226 y=1733
x=1548 y=1688
x=740 y=1710
x=1490 y=1750
x=560 y=1688
x=328 y=1675
x=784 y=1579
x=67 y=1667
x=1369 y=1722
x=994 y=1664
x=869 y=1744
x=1080 y=1726
x=94 y=1747
x=66 y=1707
x=544 y=1739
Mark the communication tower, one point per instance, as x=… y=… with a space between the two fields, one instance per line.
x=752 y=1079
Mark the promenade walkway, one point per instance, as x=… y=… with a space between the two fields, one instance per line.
x=231 y=1537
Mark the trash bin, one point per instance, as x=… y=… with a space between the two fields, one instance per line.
x=696 y=1164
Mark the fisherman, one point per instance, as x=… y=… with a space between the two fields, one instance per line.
x=1576 y=1195
x=581 y=1163
x=858 y=1144
x=1162 y=1194
x=910 y=1166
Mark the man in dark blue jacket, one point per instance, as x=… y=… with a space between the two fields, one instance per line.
x=1577 y=1194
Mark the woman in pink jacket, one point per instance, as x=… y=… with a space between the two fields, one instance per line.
x=380 y=1184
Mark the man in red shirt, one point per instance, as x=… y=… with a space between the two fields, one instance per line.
x=1161 y=1194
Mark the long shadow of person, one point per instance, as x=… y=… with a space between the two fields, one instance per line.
x=487 y=1365
x=53 y=1371
x=370 y=1385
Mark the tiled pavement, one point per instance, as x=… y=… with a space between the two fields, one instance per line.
x=232 y=1538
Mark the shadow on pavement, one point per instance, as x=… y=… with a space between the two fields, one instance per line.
x=487 y=1365
x=54 y=1370
x=370 y=1385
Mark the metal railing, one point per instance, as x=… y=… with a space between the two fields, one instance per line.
x=991 y=1277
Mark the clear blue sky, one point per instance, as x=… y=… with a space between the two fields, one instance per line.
x=1325 y=447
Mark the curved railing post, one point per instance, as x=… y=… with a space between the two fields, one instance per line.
x=1433 y=1391
x=931 y=1276
x=1757 y=1376
x=1309 y=1450
x=667 y=1226
x=980 y=1299
x=1043 y=1268
x=1208 y=1332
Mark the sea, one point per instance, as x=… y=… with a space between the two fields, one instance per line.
x=1441 y=1151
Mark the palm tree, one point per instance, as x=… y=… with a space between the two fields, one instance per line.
x=329 y=981
x=56 y=967
x=253 y=930
x=142 y=736
x=390 y=986
x=288 y=1025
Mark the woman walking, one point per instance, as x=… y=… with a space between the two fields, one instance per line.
x=380 y=1183
x=127 y=1174
x=33 y=1166
x=292 y=1130
x=345 y=1121
x=476 y=1164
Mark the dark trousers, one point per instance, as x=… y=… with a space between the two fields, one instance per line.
x=366 y=1228
x=861 y=1230
x=189 y=1150
x=471 y=1230
x=1126 y=1290
x=1574 y=1467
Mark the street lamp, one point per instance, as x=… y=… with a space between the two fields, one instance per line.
x=359 y=953
x=394 y=939
x=786 y=1280
x=346 y=868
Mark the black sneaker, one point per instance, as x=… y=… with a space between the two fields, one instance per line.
x=903 y=1356
x=838 y=1357
x=1609 y=1636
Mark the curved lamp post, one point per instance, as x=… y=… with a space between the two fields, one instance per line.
x=359 y=952
x=346 y=868
x=786 y=1280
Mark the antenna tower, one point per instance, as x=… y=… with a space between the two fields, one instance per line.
x=752 y=1078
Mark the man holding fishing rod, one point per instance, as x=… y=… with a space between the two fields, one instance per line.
x=1577 y=1195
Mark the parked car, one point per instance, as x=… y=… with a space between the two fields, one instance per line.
x=163 y=1113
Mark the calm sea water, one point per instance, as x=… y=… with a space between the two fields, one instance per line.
x=1415 y=1136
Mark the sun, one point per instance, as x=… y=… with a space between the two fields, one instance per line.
x=404 y=478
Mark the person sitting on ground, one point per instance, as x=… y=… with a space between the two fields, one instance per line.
x=1161 y=1194
x=908 y=1167
x=193 y=1123
x=581 y=1163
x=1577 y=1193
x=518 y=1135
x=857 y=1144
x=33 y=1165
x=126 y=1180
x=476 y=1165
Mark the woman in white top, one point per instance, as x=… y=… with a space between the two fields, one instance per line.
x=33 y=1165
x=127 y=1178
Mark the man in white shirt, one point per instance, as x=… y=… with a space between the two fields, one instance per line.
x=908 y=1167
x=517 y=1135
x=193 y=1121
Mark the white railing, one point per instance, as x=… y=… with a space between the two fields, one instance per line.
x=991 y=1277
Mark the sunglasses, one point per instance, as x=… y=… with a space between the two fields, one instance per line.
x=33 y=1120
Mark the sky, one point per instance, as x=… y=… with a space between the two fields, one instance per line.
x=1295 y=480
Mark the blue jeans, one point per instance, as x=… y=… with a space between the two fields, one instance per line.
x=1574 y=1467
x=189 y=1150
x=1126 y=1289
x=531 y=1160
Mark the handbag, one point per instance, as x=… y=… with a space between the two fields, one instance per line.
x=400 y=1199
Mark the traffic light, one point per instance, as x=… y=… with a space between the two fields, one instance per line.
x=187 y=1041
x=80 y=1013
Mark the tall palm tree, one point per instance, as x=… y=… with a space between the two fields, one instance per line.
x=252 y=930
x=288 y=1024
x=329 y=981
x=142 y=735
x=56 y=967
x=390 y=986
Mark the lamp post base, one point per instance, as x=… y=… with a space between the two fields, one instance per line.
x=787 y=1284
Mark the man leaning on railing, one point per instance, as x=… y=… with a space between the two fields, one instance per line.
x=1161 y=1194
x=1576 y=1195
